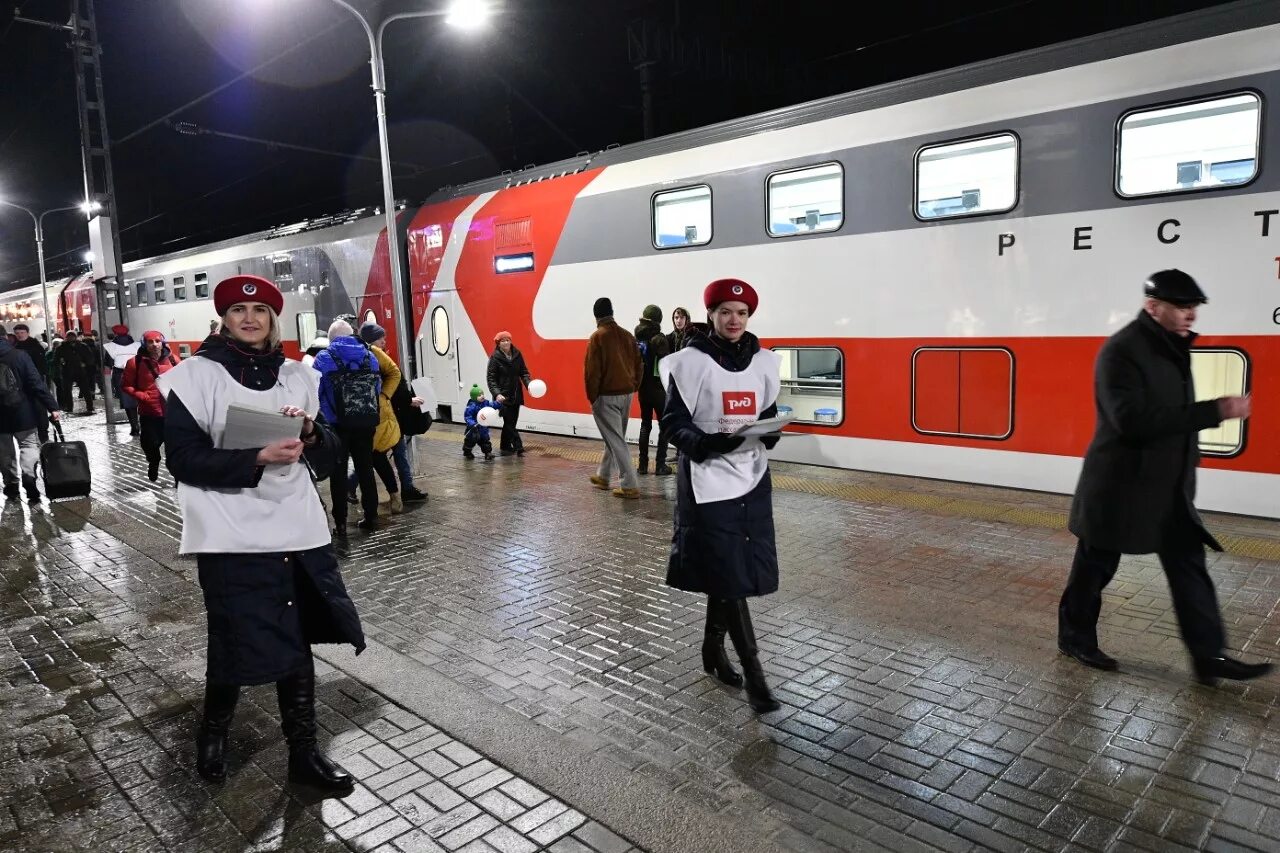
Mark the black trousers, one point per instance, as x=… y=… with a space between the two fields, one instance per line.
x=1194 y=599
x=152 y=438
x=87 y=388
x=510 y=438
x=652 y=401
x=357 y=444
x=474 y=436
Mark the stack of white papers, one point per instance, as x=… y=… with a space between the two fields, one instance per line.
x=250 y=428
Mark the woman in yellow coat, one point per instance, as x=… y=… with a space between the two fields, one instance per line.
x=387 y=434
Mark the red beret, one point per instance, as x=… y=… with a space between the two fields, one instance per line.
x=119 y=329
x=498 y=337
x=730 y=290
x=246 y=288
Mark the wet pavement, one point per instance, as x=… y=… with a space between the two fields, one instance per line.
x=532 y=684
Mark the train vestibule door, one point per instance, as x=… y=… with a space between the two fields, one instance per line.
x=438 y=358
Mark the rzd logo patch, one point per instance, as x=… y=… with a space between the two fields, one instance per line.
x=739 y=402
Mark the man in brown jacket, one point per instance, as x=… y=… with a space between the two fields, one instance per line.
x=613 y=369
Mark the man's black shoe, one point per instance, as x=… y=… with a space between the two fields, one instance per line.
x=412 y=495
x=368 y=524
x=1209 y=670
x=11 y=492
x=1090 y=657
x=662 y=470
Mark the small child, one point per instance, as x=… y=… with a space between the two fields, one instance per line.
x=477 y=433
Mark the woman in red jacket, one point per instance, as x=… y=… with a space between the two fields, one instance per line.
x=139 y=381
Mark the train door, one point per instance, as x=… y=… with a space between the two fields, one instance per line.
x=438 y=354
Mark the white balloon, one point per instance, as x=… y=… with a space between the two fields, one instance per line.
x=489 y=417
x=537 y=388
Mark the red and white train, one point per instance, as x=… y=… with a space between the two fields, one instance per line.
x=938 y=260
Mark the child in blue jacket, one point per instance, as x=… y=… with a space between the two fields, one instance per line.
x=476 y=432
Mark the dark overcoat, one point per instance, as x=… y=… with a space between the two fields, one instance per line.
x=725 y=549
x=507 y=376
x=1137 y=489
x=38 y=399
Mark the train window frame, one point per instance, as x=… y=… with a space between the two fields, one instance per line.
x=1013 y=389
x=943 y=143
x=304 y=339
x=770 y=219
x=653 y=216
x=202 y=285
x=179 y=288
x=1247 y=383
x=841 y=395
x=158 y=294
x=140 y=292
x=435 y=343
x=1118 y=141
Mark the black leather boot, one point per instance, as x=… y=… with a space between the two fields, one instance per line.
x=211 y=740
x=1209 y=670
x=297 y=697
x=714 y=660
x=132 y=415
x=743 y=635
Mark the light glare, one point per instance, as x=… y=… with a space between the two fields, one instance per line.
x=468 y=14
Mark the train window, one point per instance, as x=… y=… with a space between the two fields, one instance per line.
x=179 y=288
x=111 y=300
x=440 y=330
x=682 y=217
x=282 y=270
x=967 y=178
x=369 y=317
x=1221 y=373
x=306 y=328
x=141 y=291
x=1202 y=145
x=128 y=294
x=158 y=297
x=812 y=384
x=962 y=391
x=202 y=285
x=804 y=201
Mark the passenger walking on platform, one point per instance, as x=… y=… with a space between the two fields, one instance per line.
x=678 y=338
x=24 y=402
x=612 y=373
x=118 y=351
x=1137 y=488
x=654 y=346
x=138 y=380
x=508 y=377
x=413 y=421
x=723 y=539
x=395 y=396
x=34 y=348
x=477 y=433
x=76 y=365
x=266 y=565
x=350 y=390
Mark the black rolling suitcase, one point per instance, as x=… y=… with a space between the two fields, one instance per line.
x=65 y=466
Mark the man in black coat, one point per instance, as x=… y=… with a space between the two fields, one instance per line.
x=1137 y=489
x=77 y=364
x=32 y=347
x=24 y=400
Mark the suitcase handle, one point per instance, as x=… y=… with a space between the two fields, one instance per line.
x=57 y=429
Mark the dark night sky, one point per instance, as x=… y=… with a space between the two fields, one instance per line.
x=547 y=79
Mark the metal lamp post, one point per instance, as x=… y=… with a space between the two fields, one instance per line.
x=403 y=330
x=38 y=221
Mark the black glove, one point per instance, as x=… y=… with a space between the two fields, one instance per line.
x=769 y=440
x=722 y=442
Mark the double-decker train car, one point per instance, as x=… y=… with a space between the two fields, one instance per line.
x=938 y=260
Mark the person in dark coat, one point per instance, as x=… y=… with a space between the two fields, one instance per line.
x=654 y=347
x=141 y=373
x=18 y=421
x=252 y=517
x=678 y=337
x=723 y=543
x=1137 y=488
x=507 y=378
x=118 y=351
x=76 y=364
x=32 y=347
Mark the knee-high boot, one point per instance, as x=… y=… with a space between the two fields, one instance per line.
x=714 y=660
x=132 y=415
x=211 y=741
x=297 y=697
x=743 y=635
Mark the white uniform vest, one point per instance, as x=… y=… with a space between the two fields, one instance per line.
x=283 y=512
x=723 y=401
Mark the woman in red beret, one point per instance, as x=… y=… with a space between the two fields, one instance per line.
x=723 y=540
x=253 y=519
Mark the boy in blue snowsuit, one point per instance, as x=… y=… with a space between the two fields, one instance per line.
x=477 y=433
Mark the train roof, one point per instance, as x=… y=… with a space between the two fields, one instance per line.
x=1206 y=23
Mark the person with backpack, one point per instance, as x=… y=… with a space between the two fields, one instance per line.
x=653 y=399
x=24 y=399
x=253 y=519
x=387 y=437
x=350 y=395
x=138 y=380
x=507 y=378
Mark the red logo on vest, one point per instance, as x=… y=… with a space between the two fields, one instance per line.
x=739 y=402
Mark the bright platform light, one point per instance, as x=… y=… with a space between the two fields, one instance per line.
x=468 y=14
